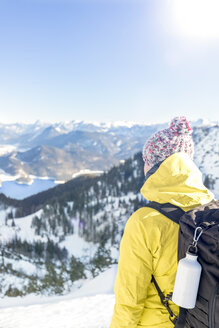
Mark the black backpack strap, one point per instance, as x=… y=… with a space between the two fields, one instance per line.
x=171 y=211
x=165 y=301
x=174 y=213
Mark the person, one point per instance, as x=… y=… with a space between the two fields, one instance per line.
x=150 y=240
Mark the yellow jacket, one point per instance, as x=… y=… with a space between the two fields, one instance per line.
x=149 y=245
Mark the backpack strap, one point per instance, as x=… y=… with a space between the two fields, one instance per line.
x=174 y=213
x=165 y=301
x=171 y=211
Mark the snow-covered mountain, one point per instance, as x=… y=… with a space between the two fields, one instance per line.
x=61 y=150
x=51 y=240
x=50 y=243
x=206 y=140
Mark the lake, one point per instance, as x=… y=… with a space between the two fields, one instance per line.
x=19 y=191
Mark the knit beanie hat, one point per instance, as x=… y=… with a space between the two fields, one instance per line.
x=177 y=138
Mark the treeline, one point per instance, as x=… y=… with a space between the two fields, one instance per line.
x=97 y=203
x=76 y=188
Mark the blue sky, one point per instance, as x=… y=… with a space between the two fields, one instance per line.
x=106 y=60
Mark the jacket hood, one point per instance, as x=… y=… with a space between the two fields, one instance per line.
x=178 y=181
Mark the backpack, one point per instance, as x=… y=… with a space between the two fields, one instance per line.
x=206 y=311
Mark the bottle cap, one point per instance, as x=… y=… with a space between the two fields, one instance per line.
x=191 y=256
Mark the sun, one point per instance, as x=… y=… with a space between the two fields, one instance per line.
x=195 y=18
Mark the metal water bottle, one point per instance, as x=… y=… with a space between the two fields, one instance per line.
x=188 y=277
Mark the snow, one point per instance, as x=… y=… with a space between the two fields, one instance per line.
x=203 y=122
x=22 y=266
x=91 y=306
x=102 y=284
x=86 y=312
x=86 y=171
x=7 y=177
x=22 y=229
x=206 y=157
x=90 y=302
x=6 y=149
x=209 y=160
x=75 y=245
x=59 y=181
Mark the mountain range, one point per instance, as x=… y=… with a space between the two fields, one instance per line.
x=52 y=241
x=61 y=150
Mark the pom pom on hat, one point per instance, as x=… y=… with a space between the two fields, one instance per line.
x=180 y=125
x=177 y=138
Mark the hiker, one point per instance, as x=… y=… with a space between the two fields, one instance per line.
x=150 y=240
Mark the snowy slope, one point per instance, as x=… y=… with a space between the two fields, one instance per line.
x=206 y=157
x=89 y=307
x=22 y=267
x=23 y=230
x=86 y=312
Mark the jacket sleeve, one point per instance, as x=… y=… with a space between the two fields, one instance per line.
x=133 y=275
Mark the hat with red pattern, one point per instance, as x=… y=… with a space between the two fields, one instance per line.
x=177 y=138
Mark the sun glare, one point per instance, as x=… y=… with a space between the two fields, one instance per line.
x=196 y=18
